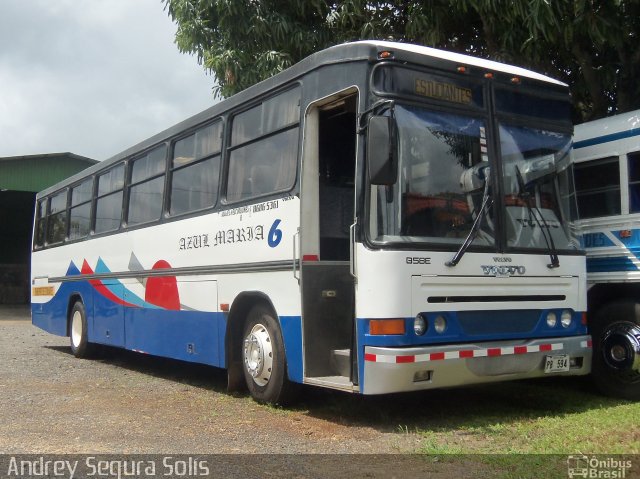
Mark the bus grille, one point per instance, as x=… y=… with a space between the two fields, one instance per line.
x=493 y=322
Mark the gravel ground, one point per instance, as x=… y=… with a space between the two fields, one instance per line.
x=131 y=403
x=128 y=403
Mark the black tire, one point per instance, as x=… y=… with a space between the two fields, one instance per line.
x=80 y=345
x=616 y=325
x=263 y=358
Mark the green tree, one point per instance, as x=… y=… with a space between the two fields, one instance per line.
x=590 y=44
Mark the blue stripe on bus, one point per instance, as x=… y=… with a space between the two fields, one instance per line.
x=292 y=336
x=194 y=336
x=606 y=138
x=606 y=265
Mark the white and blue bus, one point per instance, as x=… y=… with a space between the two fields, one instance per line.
x=606 y=155
x=380 y=217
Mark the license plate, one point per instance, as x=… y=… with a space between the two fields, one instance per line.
x=556 y=364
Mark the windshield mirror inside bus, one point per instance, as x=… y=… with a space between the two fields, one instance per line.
x=443 y=170
x=406 y=82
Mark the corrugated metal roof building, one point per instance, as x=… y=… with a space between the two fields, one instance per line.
x=21 y=177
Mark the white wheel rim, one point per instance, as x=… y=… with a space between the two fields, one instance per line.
x=258 y=354
x=76 y=328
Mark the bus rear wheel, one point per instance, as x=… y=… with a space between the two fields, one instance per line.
x=263 y=357
x=80 y=345
x=616 y=358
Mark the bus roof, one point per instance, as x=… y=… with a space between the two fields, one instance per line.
x=365 y=50
x=461 y=58
x=610 y=125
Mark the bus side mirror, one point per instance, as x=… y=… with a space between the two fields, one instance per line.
x=382 y=157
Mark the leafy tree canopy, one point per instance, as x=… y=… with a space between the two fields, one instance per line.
x=590 y=44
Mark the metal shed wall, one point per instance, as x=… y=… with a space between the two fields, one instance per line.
x=20 y=178
x=37 y=172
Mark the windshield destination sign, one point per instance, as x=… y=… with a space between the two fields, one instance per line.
x=443 y=91
x=411 y=83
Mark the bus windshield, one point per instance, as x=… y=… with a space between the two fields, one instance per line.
x=445 y=161
x=532 y=161
x=443 y=169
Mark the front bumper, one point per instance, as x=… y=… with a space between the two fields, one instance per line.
x=388 y=370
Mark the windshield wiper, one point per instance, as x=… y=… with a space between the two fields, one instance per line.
x=487 y=201
x=546 y=234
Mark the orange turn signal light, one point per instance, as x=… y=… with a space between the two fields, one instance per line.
x=386 y=326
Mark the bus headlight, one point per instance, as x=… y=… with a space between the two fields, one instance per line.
x=419 y=325
x=565 y=318
x=552 y=319
x=439 y=324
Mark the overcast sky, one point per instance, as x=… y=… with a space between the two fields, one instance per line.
x=92 y=77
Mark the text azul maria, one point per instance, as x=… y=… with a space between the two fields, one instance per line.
x=222 y=237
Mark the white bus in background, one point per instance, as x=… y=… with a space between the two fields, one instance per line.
x=380 y=217
x=606 y=155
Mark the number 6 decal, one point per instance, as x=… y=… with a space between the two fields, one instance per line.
x=275 y=234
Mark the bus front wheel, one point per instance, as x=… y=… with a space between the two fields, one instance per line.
x=263 y=357
x=80 y=345
x=616 y=354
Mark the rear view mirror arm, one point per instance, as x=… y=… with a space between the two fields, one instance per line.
x=377 y=108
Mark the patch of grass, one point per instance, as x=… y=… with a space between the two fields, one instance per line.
x=570 y=423
x=559 y=416
x=510 y=430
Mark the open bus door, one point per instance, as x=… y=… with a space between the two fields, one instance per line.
x=328 y=287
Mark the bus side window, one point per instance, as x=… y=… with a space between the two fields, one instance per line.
x=57 y=219
x=598 y=187
x=146 y=192
x=109 y=202
x=41 y=218
x=80 y=211
x=264 y=166
x=262 y=180
x=634 y=181
x=264 y=148
x=195 y=170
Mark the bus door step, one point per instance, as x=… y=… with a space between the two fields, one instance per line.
x=333 y=382
x=341 y=362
